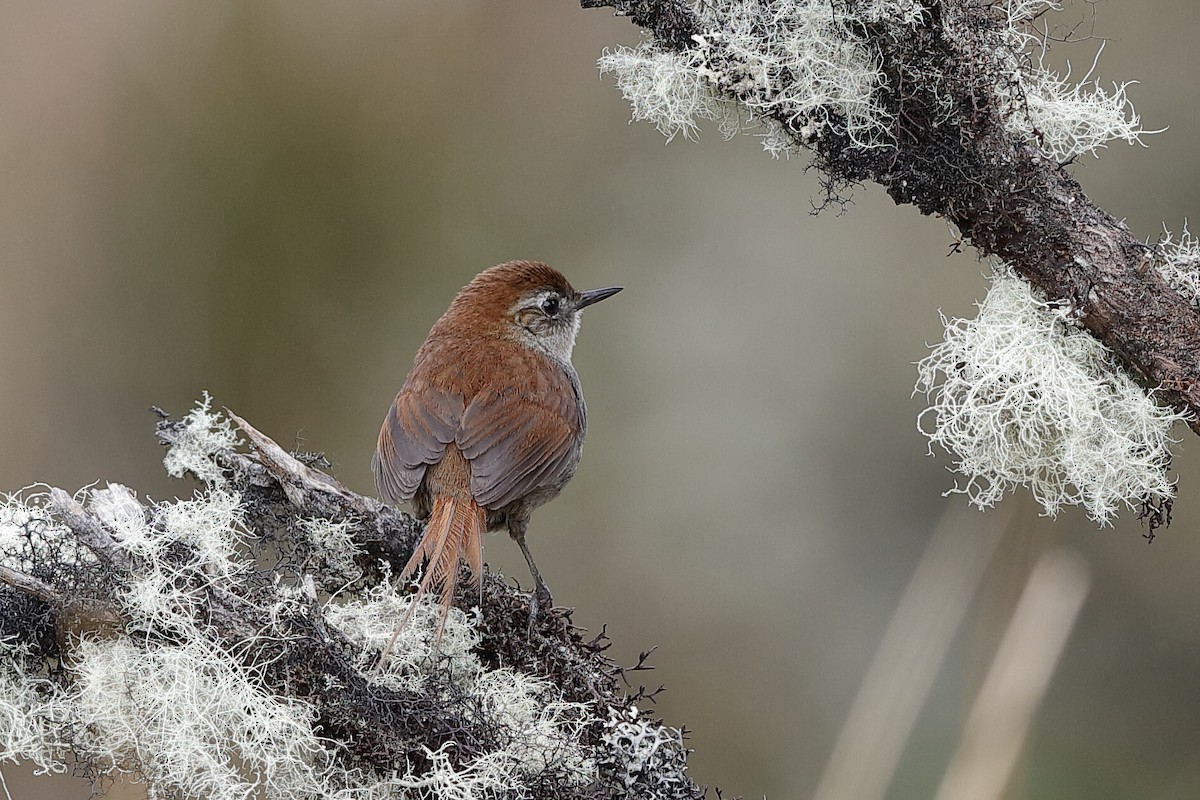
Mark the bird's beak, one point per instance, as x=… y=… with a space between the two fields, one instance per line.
x=595 y=296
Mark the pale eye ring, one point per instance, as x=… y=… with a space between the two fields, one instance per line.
x=551 y=306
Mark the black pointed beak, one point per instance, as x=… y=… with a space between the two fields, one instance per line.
x=595 y=296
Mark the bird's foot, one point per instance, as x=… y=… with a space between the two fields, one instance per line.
x=539 y=599
x=544 y=598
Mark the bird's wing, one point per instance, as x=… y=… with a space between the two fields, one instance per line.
x=420 y=424
x=522 y=434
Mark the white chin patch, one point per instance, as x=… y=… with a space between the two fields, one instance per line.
x=560 y=343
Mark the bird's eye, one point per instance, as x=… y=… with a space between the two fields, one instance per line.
x=551 y=306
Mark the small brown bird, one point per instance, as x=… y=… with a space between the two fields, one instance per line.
x=489 y=424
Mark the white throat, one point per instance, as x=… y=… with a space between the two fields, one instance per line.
x=558 y=343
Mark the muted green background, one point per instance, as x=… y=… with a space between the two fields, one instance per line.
x=274 y=200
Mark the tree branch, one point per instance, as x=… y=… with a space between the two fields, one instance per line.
x=946 y=90
x=226 y=645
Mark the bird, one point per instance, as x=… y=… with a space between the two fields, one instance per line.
x=488 y=425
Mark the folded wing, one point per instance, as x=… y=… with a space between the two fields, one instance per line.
x=422 y=421
x=522 y=434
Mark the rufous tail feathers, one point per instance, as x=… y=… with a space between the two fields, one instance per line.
x=453 y=534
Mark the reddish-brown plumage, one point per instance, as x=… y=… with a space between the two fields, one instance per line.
x=489 y=423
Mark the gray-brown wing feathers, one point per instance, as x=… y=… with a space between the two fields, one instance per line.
x=420 y=424
x=518 y=437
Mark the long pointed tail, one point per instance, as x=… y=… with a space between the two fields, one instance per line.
x=453 y=534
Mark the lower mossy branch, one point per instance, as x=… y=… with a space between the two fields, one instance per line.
x=213 y=645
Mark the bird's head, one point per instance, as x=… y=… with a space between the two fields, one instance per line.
x=529 y=301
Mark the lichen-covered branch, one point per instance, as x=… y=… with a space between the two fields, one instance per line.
x=946 y=105
x=225 y=646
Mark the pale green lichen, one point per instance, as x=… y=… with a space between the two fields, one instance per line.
x=1178 y=259
x=756 y=62
x=806 y=64
x=205 y=433
x=1064 y=117
x=1020 y=398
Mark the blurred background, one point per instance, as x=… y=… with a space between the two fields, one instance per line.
x=273 y=201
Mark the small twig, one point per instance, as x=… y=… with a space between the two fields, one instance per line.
x=305 y=487
x=29 y=585
x=89 y=531
x=641 y=662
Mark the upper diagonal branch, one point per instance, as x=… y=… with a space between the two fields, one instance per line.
x=948 y=90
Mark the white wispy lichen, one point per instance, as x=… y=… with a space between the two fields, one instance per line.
x=29 y=534
x=664 y=88
x=1020 y=398
x=205 y=434
x=369 y=619
x=31 y=715
x=193 y=723
x=1064 y=117
x=1178 y=259
x=334 y=542
x=806 y=65
x=755 y=62
x=538 y=731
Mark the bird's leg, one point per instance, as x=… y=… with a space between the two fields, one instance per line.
x=541 y=594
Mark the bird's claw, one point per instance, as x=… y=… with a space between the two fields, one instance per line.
x=540 y=598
